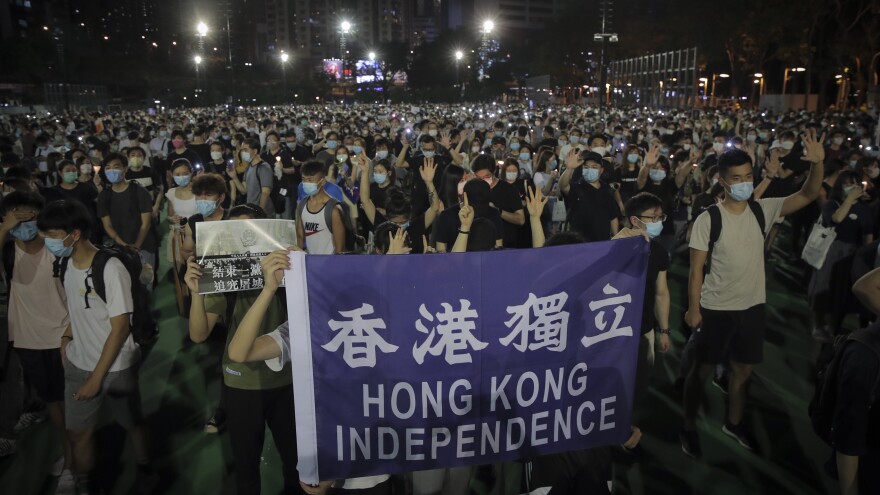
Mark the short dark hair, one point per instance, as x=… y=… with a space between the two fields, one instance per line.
x=313 y=167
x=732 y=158
x=396 y=203
x=113 y=157
x=65 y=215
x=249 y=210
x=640 y=203
x=252 y=143
x=483 y=162
x=564 y=239
x=208 y=184
x=20 y=199
x=482 y=235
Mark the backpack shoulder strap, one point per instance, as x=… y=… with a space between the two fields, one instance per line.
x=759 y=216
x=99 y=263
x=714 y=225
x=328 y=213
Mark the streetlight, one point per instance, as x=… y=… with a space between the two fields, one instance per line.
x=459 y=55
x=488 y=27
x=344 y=29
x=198 y=61
x=372 y=56
x=284 y=58
x=785 y=79
x=201 y=32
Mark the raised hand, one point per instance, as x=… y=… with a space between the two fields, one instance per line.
x=652 y=156
x=535 y=201
x=273 y=266
x=428 y=170
x=193 y=275
x=466 y=214
x=572 y=160
x=815 y=151
x=397 y=242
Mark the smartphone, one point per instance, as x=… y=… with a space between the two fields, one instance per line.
x=864 y=184
x=230 y=166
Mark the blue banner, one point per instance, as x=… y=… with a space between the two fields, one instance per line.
x=405 y=363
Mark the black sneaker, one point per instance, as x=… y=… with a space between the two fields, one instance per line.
x=690 y=443
x=740 y=433
x=720 y=382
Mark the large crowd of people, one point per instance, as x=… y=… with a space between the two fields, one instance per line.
x=708 y=188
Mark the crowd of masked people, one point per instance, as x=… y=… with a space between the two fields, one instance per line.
x=87 y=199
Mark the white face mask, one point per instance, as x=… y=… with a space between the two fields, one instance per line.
x=216 y=155
x=718 y=147
x=787 y=145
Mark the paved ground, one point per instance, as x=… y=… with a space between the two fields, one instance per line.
x=178 y=379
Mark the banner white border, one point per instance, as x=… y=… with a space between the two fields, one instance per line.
x=303 y=377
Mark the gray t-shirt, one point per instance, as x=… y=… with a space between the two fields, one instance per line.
x=736 y=281
x=257 y=177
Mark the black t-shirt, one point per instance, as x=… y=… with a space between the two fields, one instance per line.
x=378 y=195
x=628 y=182
x=147 y=177
x=203 y=151
x=84 y=192
x=506 y=198
x=591 y=210
x=50 y=194
x=658 y=261
x=125 y=209
x=666 y=190
x=856 y=425
x=448 y=223
x=858 y=223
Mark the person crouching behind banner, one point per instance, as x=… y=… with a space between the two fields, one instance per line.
x=251 y=344
x=645 y=216
x=256 y=395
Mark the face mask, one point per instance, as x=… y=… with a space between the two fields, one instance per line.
x=574 y=139
x=177 y=143
x=432 y=132
x=216 y=155
x=380 y=178
x=310 y=188
x=763 y=135
x=57 y=247
x=332 y=144
x=718 y=147
x=475 y=149
x=245 y=157
x=25 y=231
x=752 y=138
x=524 y=157
x=591 y=174
x=553 y=164
x=847 y=190
x=742 y=191
x=273 y=145
x=428 y=154
x=182 y=180
x=657 y=175
x=632 y=158
x=163 y=134
x=837 y=140
x=341 y=157
x=787 y=145
x=69 y=177
x=514 y=146
x=382 y=154
x=114 y=176
x=357 y=149
x=618 y=136
x=653 y=229
x=206 y=207
x=853 y=163
x=136 y=163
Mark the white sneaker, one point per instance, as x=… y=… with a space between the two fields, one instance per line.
x=58 y=467
x=7 y=447
x=66 y=484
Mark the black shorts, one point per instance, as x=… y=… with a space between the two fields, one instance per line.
x=43 y=370
x=734 y=335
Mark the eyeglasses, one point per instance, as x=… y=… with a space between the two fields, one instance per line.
x=661 y=218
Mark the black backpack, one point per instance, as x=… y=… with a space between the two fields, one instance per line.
x=142 y=325
x=715 y=226
x=353 y=241
x=275 y=195
x=824 y=402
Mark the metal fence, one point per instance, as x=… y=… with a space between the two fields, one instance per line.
x=75 y=96
x=658 y=80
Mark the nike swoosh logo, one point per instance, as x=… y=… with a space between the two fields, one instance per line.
x=308 y=234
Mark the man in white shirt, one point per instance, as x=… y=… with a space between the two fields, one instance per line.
x=100 y=357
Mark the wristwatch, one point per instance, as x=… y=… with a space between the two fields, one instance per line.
x=663 y=331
